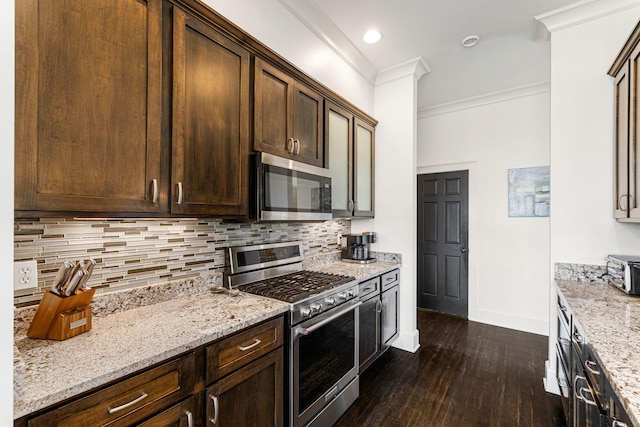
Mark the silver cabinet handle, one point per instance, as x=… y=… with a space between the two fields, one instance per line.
x=589 y=364
x=296 y=147
x=577 y=338
x=117 y=409
x=290 y=146
x=249 y=347
x=378 y=306
x=189 y=418
x=350 y=206
x=214 y=420
x=617 y=423
x=620 y=202
x=154 y=186
x=179 y=193
x=463 y=250
x=588 y=401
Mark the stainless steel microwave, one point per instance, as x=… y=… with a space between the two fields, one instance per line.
x=624 y=272
x=287 y=190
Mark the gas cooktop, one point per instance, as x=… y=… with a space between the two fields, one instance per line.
x=297 y=286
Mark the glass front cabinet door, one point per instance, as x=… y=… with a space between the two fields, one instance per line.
x=351 y=161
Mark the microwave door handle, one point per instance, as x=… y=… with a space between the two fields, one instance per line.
x=306 y=331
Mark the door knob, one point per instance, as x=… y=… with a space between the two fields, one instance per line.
x=463 y=250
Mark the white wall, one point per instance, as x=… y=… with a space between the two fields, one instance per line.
x=582 y=148
x=396 y=96
x=508 y=257
x=271 y=23
x=6 y=212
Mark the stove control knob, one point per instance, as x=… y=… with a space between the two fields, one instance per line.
x=331 y=301
x=342 y=296
x=316 y=308
x=350 y=293
x=305 y=312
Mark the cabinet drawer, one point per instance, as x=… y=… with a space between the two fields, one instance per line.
x=236 y=351
x=128 y=401
x=370 y=286
x=390 y=279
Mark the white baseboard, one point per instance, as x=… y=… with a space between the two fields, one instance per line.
x=408 y=341
x=550 y=381
x=524 y=324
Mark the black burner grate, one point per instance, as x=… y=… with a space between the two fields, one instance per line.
x=294 y=287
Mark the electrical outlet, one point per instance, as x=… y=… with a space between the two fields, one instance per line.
x=339 y=242
x=25 y=275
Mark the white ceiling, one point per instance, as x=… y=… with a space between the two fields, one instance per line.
x=509 y=53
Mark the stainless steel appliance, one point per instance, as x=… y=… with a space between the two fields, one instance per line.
x=623 y=271
x=287 y=190
x=323 y=325
x=355 y=247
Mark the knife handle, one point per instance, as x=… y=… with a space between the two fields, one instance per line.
x=73 y=284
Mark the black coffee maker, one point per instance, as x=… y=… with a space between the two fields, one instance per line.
x=355 y=247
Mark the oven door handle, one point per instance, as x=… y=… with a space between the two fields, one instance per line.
x=306 y=331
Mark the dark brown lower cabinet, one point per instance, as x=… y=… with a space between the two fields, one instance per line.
x=181 y=415
x=251 y=396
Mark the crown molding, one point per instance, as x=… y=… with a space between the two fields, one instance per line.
x=579 y=13
x=417 y=67
x=328 y=32
x=487 y=99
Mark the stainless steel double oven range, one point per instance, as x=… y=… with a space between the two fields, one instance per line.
x=322 y=328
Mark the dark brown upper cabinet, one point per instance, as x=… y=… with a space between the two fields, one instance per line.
x=88 y=105
x=288 y=116
x=626 y=73
x=210 y=142
x=351 y=149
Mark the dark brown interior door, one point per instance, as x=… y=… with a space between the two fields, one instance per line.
x=443 y=216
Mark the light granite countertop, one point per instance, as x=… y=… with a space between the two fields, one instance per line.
x=611 y=322
x=126 y=342
x=359 y=271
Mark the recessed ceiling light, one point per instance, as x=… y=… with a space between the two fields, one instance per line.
x=372 y=36
x=471 y=40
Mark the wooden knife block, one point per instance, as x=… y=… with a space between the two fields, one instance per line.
x=59 y=318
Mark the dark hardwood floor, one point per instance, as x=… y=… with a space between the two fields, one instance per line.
x=464 y=374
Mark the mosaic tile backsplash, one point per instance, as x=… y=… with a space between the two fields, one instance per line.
x=137 y=252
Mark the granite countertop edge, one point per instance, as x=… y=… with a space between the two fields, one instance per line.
x=611 y=322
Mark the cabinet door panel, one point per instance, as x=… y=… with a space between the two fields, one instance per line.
x=634 y=134
x=308 y=126
x=251 y=396
x=88 y=99
x=210 y=121
x=273 y=102
x=339 y=128
x=363 y=169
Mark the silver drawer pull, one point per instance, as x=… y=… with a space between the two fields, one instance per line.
x=250 y=346
x=367 y=290
x=617 y=423
x=589 y=401
x=189 y=418
x=589 y=364
x=127 y=405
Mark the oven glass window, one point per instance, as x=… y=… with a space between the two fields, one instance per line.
x=325 y=356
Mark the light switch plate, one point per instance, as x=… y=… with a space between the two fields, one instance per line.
x=25 y=275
